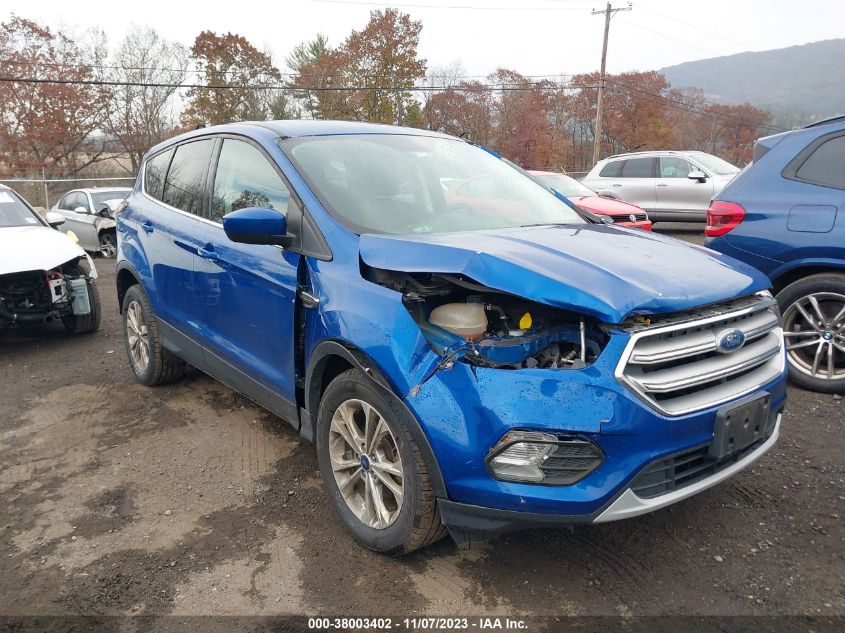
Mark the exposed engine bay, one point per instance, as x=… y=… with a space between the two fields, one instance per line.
x=39 y=296
x=486 y=327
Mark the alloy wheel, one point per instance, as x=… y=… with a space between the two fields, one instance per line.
x=366 y=463
x=814 y=327
x=138 y=337
x=108 y=248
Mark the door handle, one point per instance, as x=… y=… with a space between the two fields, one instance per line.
x=207 y=254
x=662 y=184
x=147 y=226
x=616 y=184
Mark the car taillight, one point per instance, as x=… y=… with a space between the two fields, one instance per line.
x=723 y=217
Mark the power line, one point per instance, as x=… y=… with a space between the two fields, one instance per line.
x=614 y=86
x=465 y=7
x=694 y=26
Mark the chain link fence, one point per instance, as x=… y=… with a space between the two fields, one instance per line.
x=44 y=193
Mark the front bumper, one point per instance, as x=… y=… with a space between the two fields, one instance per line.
x=466 y=521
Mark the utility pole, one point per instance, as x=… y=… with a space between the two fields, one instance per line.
x=608 y=13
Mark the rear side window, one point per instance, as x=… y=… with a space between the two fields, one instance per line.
x=245 y=178
x=183 y=186
x=826 y=165
x=638 y=168
x=612 y=170
x=154 y=173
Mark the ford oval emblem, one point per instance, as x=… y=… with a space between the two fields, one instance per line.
x=729 y=341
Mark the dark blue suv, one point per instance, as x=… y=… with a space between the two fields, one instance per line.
x=476 y=367
x=785 y=214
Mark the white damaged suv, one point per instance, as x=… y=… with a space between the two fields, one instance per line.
x=44 y=274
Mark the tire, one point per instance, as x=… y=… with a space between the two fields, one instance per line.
x=108 y=244
x=83 y=323
x=402 y=527
x=150 y=362
x=813 y=320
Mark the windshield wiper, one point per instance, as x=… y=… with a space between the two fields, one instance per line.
x=524 y=226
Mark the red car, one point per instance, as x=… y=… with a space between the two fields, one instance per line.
x=623 y=213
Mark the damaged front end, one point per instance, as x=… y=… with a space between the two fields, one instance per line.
x=468 y=322
x=41 y=296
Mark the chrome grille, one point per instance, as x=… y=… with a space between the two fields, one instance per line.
x=675 y=365
x=626 y=217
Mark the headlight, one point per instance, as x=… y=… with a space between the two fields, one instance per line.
x=536 y=457
x=73 y=237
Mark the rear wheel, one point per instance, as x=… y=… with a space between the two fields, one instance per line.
x=373 y=471
x=83 y=323
x=814 y=326
x=150 y=362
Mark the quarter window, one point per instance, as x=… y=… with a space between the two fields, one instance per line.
x=672 y=167
x=245 y=178
x=612 y=170
x=638 y=168
x=184 y=183
x=826 y=165
x=154 y=173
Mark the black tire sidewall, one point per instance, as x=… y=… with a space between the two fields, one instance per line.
x=831 y=282
x=354 y=385
x=136 y=293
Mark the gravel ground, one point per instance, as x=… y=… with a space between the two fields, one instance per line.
x=188 y=499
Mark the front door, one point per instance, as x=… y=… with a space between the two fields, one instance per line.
x=677 y=193
x=247 y=292
x=76 y=208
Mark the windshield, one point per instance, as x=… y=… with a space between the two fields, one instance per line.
x=400 y=184
x=13 y=211
x=716 y=164
x=565 y=185
x=100 y=198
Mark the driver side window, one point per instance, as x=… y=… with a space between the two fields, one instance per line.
x=73 y=200
x=671 y=167
x=245 y=178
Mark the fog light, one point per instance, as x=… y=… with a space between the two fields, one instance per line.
x=536 y=457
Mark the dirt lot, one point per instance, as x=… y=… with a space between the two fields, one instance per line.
x=120 y=499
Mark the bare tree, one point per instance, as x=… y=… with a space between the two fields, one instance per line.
x=144 y=109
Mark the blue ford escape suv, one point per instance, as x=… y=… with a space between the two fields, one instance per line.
x=458 y=367
x=785 y=214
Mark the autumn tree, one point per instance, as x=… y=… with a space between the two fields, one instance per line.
x=305 y=62
x=49 y=126
x=380 y=62
x=148 y=70
x=230 y=60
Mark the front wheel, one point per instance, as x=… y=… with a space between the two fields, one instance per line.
x=373 y=472
x=814 y=327
x=108 y=244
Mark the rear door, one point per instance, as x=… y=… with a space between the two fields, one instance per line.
x=247 y=292
x=168 y=233
x=677 y=194
x=636 y=183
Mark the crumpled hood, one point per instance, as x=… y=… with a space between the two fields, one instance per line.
x=25 y=248
x=604 y=271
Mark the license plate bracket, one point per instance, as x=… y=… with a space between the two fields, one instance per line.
x=740 y=425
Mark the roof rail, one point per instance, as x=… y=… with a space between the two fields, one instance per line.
x=833 y=119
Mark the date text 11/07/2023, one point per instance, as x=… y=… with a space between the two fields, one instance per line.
x=417 y=624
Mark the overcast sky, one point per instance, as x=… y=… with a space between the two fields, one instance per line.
x=534 y=37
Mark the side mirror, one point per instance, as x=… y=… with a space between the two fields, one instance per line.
x=257 y=225
x=80 y=210
x=698 y=175
x=54 y=219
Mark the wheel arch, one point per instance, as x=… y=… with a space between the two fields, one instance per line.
x=126 y=278
x=785 y=275
x=329 y=359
